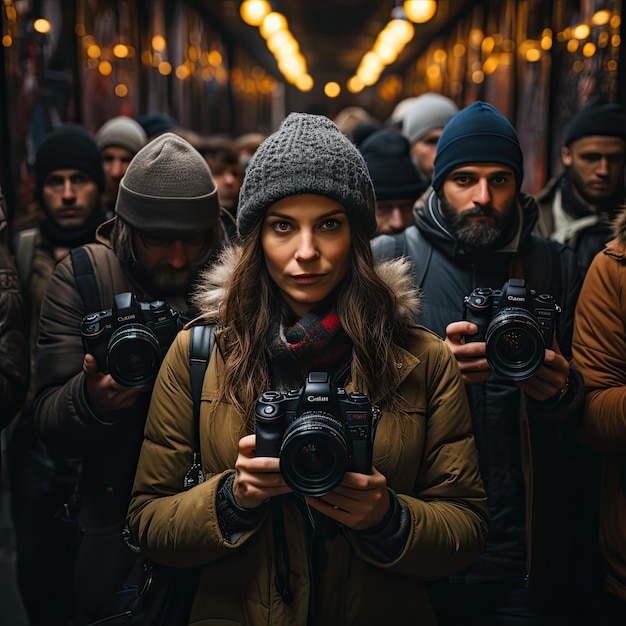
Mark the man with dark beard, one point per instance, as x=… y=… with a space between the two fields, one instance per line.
x=579 y=206
x=165 y=232
x=474 y=231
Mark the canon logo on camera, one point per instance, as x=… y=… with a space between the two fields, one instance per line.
x=317 y=398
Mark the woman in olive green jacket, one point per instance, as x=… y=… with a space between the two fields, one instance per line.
x=281 y=540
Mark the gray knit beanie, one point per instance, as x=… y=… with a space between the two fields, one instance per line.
x=168 y=189
x=307 y=154
x=122 y=132
x=426 y=113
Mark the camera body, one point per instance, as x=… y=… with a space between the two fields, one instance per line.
x=317 y=432
x=517 y=325
x=130 y=339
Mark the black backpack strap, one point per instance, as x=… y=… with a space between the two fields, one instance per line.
x=200 y=348
x=25 y=244
x=85 y=280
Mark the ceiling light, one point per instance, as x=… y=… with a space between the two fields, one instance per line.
x=272 y=23
x=254 y=11
x=420 y=11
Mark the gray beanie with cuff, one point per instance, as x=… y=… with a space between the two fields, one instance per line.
x=307 y=154
x=168 y=189
x=122 y=132
x=425 y=114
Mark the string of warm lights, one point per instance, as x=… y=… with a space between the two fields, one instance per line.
x=388 y=45
x=279 y=40
x=584 y=39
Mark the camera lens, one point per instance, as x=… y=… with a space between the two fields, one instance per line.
x=515 y=345
x=314 y=454
x=133 y=356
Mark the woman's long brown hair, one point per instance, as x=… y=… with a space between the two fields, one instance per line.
x=366 y=307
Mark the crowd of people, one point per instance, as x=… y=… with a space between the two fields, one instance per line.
x=413 y=411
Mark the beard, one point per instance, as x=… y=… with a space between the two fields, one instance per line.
x=470 y=232
x=168 y=282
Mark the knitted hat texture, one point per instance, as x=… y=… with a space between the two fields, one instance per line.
x=478 y=133
x=426 y=113
x=168 y=189
x=68 y=147
x=599 y=118
x=386 y=153
x=122 y=132
x=307 y=154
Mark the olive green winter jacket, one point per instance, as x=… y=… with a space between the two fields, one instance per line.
x=428 y=458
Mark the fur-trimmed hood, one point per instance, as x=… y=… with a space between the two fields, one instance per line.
x=619 y=230
x=209 y=295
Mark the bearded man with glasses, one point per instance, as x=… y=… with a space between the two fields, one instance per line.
x=165 y=232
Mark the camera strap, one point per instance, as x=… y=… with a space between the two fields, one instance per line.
x=200 y=347
x=85 y=279
x=540 y=266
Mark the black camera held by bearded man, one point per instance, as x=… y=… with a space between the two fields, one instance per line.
x=317 y=432
x=517 y=325
x=130 y=340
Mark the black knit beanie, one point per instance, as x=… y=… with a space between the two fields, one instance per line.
x=307 y=154
x=478 y=133
x=69 y=146
x=387 y=154
x=168 y=189
x=598 y=118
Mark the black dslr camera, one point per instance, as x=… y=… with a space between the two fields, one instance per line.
x=517 y=325
x=319 y=434
x=130 y=340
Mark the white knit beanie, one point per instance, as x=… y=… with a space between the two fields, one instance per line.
x=426 y=113
x=168 y=189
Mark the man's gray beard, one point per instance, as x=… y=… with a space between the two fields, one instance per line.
x=472 y=234
x=172 y=282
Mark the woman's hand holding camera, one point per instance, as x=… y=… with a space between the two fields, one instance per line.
x=360 y=502
x=257 y=478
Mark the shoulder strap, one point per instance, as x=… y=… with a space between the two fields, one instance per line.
x=419 y=250
x=24 y=253
x=85 y=280
x=200 y=348
x=408 y=243
x=542 y=266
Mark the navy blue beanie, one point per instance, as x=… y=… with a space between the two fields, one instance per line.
x=68 y=147
x=478 y=133
x=598 y=118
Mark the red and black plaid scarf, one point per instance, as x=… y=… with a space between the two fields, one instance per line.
x=316 y=342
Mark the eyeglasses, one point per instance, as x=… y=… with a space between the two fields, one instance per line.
x=151 y=242
x=57 y=183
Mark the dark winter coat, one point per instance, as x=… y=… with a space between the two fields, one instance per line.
x=529 y=457
x=70 y=428
x=586 y=235
x=14 y=356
